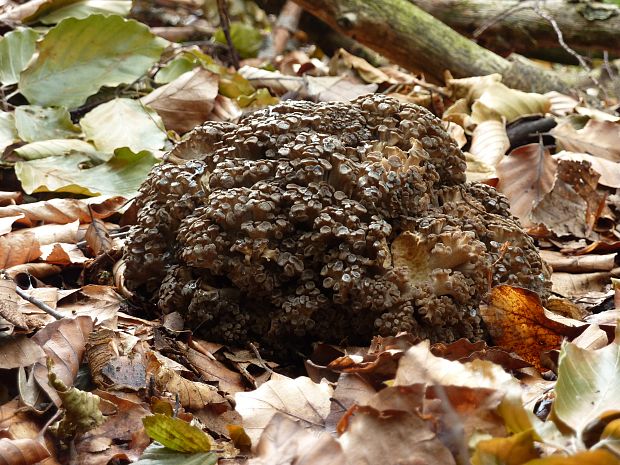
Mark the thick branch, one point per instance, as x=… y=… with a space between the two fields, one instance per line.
x=507 y=26
x=415 y=40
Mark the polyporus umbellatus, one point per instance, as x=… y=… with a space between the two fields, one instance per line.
x=325 y=221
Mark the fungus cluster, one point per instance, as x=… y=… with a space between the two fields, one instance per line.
x=325 y=221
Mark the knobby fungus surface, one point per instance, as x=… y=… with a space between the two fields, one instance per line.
x=329 y=221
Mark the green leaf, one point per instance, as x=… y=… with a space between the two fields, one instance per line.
x=124 y=122
x=156 y=454
x=260 y=98
x=79 y=56
x=175 y=68
x=588 y=386
x=35 y=123
x=8 y=133
x=16 y=49
x=176 y=434
x=55 y=147
x=121 y=175
x=84 y=8
x=246 y=39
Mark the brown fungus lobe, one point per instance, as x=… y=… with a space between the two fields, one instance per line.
x=325 y=221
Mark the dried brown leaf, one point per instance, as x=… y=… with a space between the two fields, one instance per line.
x=98 y=238
x=192 y=394
x=419 y=365
x=609 y=170
x=579 y=284
x=465 y=351
x=343 y=62
x=299 y=399
x=397 y=438
x=62 y=211
x=517 y=321
x=22 y=451
x=121 y=437
x=211 y=370
x=286 y=442
x=578 y=263
x=18 y=351
x=17 y=249
x=526 y=175
x=9 y=308
x=185 y=102
x=62 y=254
x=6 y=223
x=599 y=138
x=573 y=205
x=116 y=360
x=64 y=341
x=51 y=233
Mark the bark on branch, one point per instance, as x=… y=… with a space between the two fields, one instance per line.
x=507 y=26
x=415 y=40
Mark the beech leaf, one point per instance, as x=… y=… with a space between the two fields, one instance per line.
x=526 y=175
x=298 y=398
x=121 y=175
x=124 y=122
x=16 y=50
x=588 y=386
x=176 y=434
x=36 y=123
x=79 y=56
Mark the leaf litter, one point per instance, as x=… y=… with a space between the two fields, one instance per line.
x=132 y=388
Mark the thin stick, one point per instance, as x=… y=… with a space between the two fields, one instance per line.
x=225 y=23
x=39 y=304
x=260 y=359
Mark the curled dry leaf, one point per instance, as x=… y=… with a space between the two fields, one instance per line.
x=465 y=351
x=526 y=175
x=18 y=351
x=573 y=204
x=598 y=138
x=185 y=102
x=489 y=142
x=98 y=238
x=578 y=263
x=580 y=284
x=192 y=394
x=518 y=322
x=22 y=451
x=287 y=442
x=6 y=223
x=81 y=408
x=64 y=342
x=298 y=398
x=419 y=365
x=560 y=104
x=17 y=249
x=9 y=309
x=62 y=254
x=116 y=360
x=343 y=62
x=588 y=386
x=122 y=435
x=608 y=170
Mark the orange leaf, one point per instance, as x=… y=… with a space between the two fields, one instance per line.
x=517 y=322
